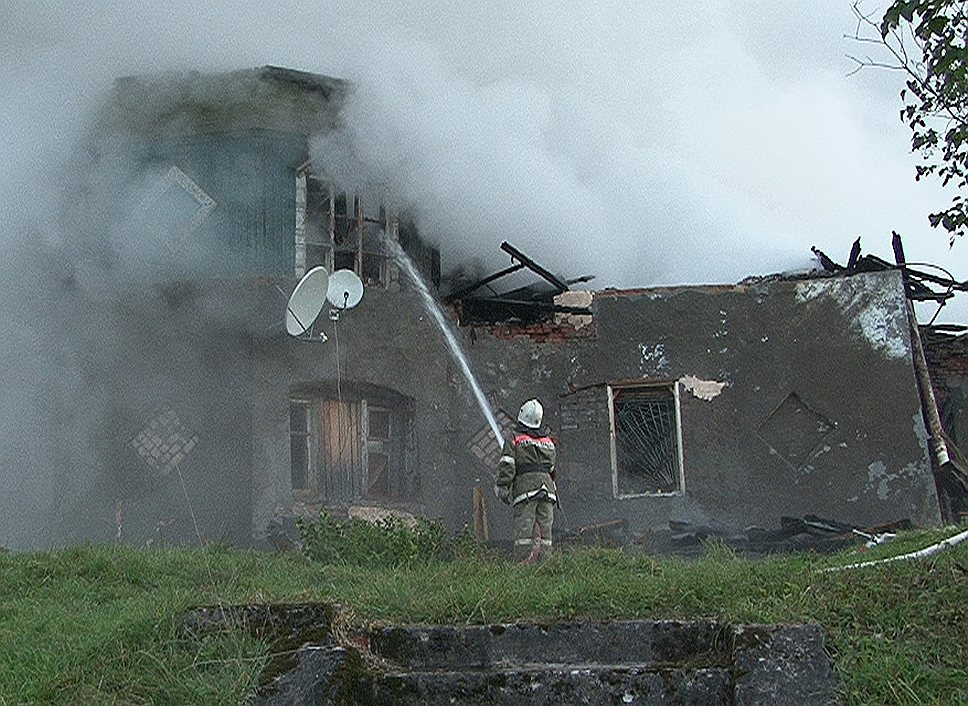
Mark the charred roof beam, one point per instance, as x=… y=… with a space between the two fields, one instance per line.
x=534 y=267
x=464 y=291
x=914 y=279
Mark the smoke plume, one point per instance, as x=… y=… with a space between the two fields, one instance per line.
x=646 y=144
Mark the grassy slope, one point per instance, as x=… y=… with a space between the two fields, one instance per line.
x=100 y=624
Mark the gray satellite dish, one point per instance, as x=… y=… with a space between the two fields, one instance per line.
x=306 y=301
x=345 y=289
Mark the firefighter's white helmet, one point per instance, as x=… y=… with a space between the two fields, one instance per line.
x=530 y=414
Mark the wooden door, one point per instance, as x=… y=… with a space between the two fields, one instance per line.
x=340 y=457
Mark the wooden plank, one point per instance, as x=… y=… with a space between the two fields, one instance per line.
x=482 y=521
x=359 y=233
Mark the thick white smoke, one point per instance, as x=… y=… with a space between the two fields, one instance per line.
x=646 y=143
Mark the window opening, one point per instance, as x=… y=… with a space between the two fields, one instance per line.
x=646 y=440
x=374 y=256
x=339 y=231
x=379 y=449
x=379 y=423
x=342 y=222
x=299 y=437
x=339 y=235
x=352 y=449
x=344 y=260
x=319 y=210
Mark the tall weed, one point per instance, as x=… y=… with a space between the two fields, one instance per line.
x=387 y=542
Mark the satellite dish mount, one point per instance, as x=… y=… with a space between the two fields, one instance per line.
x=345 y=290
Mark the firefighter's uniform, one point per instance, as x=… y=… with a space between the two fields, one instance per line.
x=525 y=480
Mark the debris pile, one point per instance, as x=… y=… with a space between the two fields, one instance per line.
x=807 y=533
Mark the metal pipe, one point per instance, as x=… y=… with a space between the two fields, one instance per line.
x=919 y=554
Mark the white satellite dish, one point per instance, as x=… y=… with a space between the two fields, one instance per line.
x=306 y=301
x=345 y=289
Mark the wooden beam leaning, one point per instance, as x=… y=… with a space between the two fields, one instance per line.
x=464 y=291
x=534 y=267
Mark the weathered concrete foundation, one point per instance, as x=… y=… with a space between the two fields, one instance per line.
x=621 y=662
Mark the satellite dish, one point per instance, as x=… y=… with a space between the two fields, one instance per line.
x=345 y=289
x=306 y=301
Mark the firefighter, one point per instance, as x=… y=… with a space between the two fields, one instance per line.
x=526 y=481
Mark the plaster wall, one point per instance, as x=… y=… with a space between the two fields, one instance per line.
x=157 y=446
x=838 y=347
x=388 y=341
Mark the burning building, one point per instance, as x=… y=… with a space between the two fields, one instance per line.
x=724 y=406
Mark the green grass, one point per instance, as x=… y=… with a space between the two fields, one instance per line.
x=101 y=625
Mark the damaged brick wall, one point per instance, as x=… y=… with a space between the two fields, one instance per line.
x=776 y=387
x=947 y=359
x=544 y=332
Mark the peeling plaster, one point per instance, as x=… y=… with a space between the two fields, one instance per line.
x=578 y=298
x=576 y=368
x=540 y=374
x=724 y=322
x=879 y=478
x=921 y=434
x=875 y=474
x=652 y=359
x=702 y=389
x=883 y=332
x=500 y=371
x=875 y=310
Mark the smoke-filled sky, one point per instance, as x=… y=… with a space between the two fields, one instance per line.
x=646 y=143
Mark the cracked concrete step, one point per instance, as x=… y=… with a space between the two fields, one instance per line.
x=667 y=643
x=622 y=662
x=547 y=685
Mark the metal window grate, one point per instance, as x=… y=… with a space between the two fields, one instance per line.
x=485 y=447
x=164 y=442
x=646 y=441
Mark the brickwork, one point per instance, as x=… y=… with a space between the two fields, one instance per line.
x=947 y=359
x=947 y=356
x=545 y=332
x=584 y=409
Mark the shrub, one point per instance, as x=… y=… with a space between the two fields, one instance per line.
x=388 y=542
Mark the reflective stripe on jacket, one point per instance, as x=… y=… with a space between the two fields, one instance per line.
x=526 y=467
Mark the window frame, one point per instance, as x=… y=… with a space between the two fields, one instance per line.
x=396 y=447
x=673 y=387
x=309 y=441
x=341 y=216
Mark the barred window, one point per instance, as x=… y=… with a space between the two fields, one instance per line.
x=645 y=439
